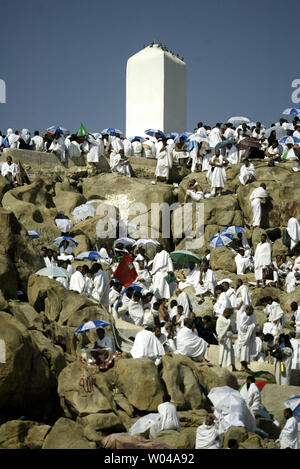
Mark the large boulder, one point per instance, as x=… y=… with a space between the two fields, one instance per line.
x=181 y=379
x=148 y=391
x=67 y=434
x=213 y=376
x=66 y=198
x=34 y=207
x=273 y=397
x=37 y=291
x=185 y=439
x=26 y=314
x=22 y=434
x=84 y=391
x=282 y=186
x=20 y=248
x=51 y=352
x=96 y=426
x=26 y=374
x=223 y=258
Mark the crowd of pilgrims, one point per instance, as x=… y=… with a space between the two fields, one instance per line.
x=158 y=301
x=170 y=325
x=201 y=150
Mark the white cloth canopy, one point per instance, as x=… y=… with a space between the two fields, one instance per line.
x=168 y=419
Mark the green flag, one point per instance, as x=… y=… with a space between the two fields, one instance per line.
x=82 y=132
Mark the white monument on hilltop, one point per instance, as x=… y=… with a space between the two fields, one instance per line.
x=155 y=91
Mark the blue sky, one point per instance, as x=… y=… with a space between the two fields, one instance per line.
x=64 y=61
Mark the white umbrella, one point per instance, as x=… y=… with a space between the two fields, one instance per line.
x=53 y=271
x=280 y=131
x=146 y=242
x=291 y=111
x=238 y=120
x=125 y=241
x=82 y=212
x=225 y=398
x=142 y=424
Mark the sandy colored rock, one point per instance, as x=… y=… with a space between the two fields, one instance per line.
x=148 y=391
x=66 y=434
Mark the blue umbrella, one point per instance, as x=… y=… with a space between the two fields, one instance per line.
x=185 y=135
x=294 y=404
x=34 y=234
x=58 y=241
x=136 y=137
x=220 y=239
x=152 y=132
x=291 y=111
x=56 y=128
x=232 y=230
x=172 y=135
x=112 y=131
x=289 y=139
x=89 y=255
x=134 y=286
x=88 y=326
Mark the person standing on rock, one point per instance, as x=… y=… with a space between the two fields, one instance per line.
x=289 y=433
x=217 y=174
x=161 y=267
x=164 y=162
x=262 y=259
x=224 y=332
x=257 y=197
x=245 y=344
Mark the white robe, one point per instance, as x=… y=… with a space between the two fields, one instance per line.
x=209 y=283
x=217 y=175
x=252 y=397
x=38 y=143
x=168 y=420
x=58 y=147
x=164 y=163
x=222 y=303
x=226 y=352
x=162 y=264
x=96 y=149
x=293 y=229
x=184 y=301
x=64 y=225
x=246 y=172
x=296 y=354
x=192 y=279
x=262 y=258
x=189 y=344
x=101 y=280
x=146 y=345
x=233 y=155
x=9 y=170
x=136 y=312
x=245 y=343
x=256 y=198
x=242 y=264
x=77 y=282
x=117 y=167
x=291 y=282
x=208 y=437
x=289 y=434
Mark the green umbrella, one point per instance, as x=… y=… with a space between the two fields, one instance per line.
x=82 y=132
x=184 y=257
x=224 y=143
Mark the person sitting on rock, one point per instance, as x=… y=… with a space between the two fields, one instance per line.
x=104 y=348
x=188 y=343
x=207 y=434
x=194 y=192
x=10 y=171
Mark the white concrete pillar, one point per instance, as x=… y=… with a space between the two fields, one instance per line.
x=155 y=92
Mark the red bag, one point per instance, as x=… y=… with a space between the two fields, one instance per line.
x=267 y=274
